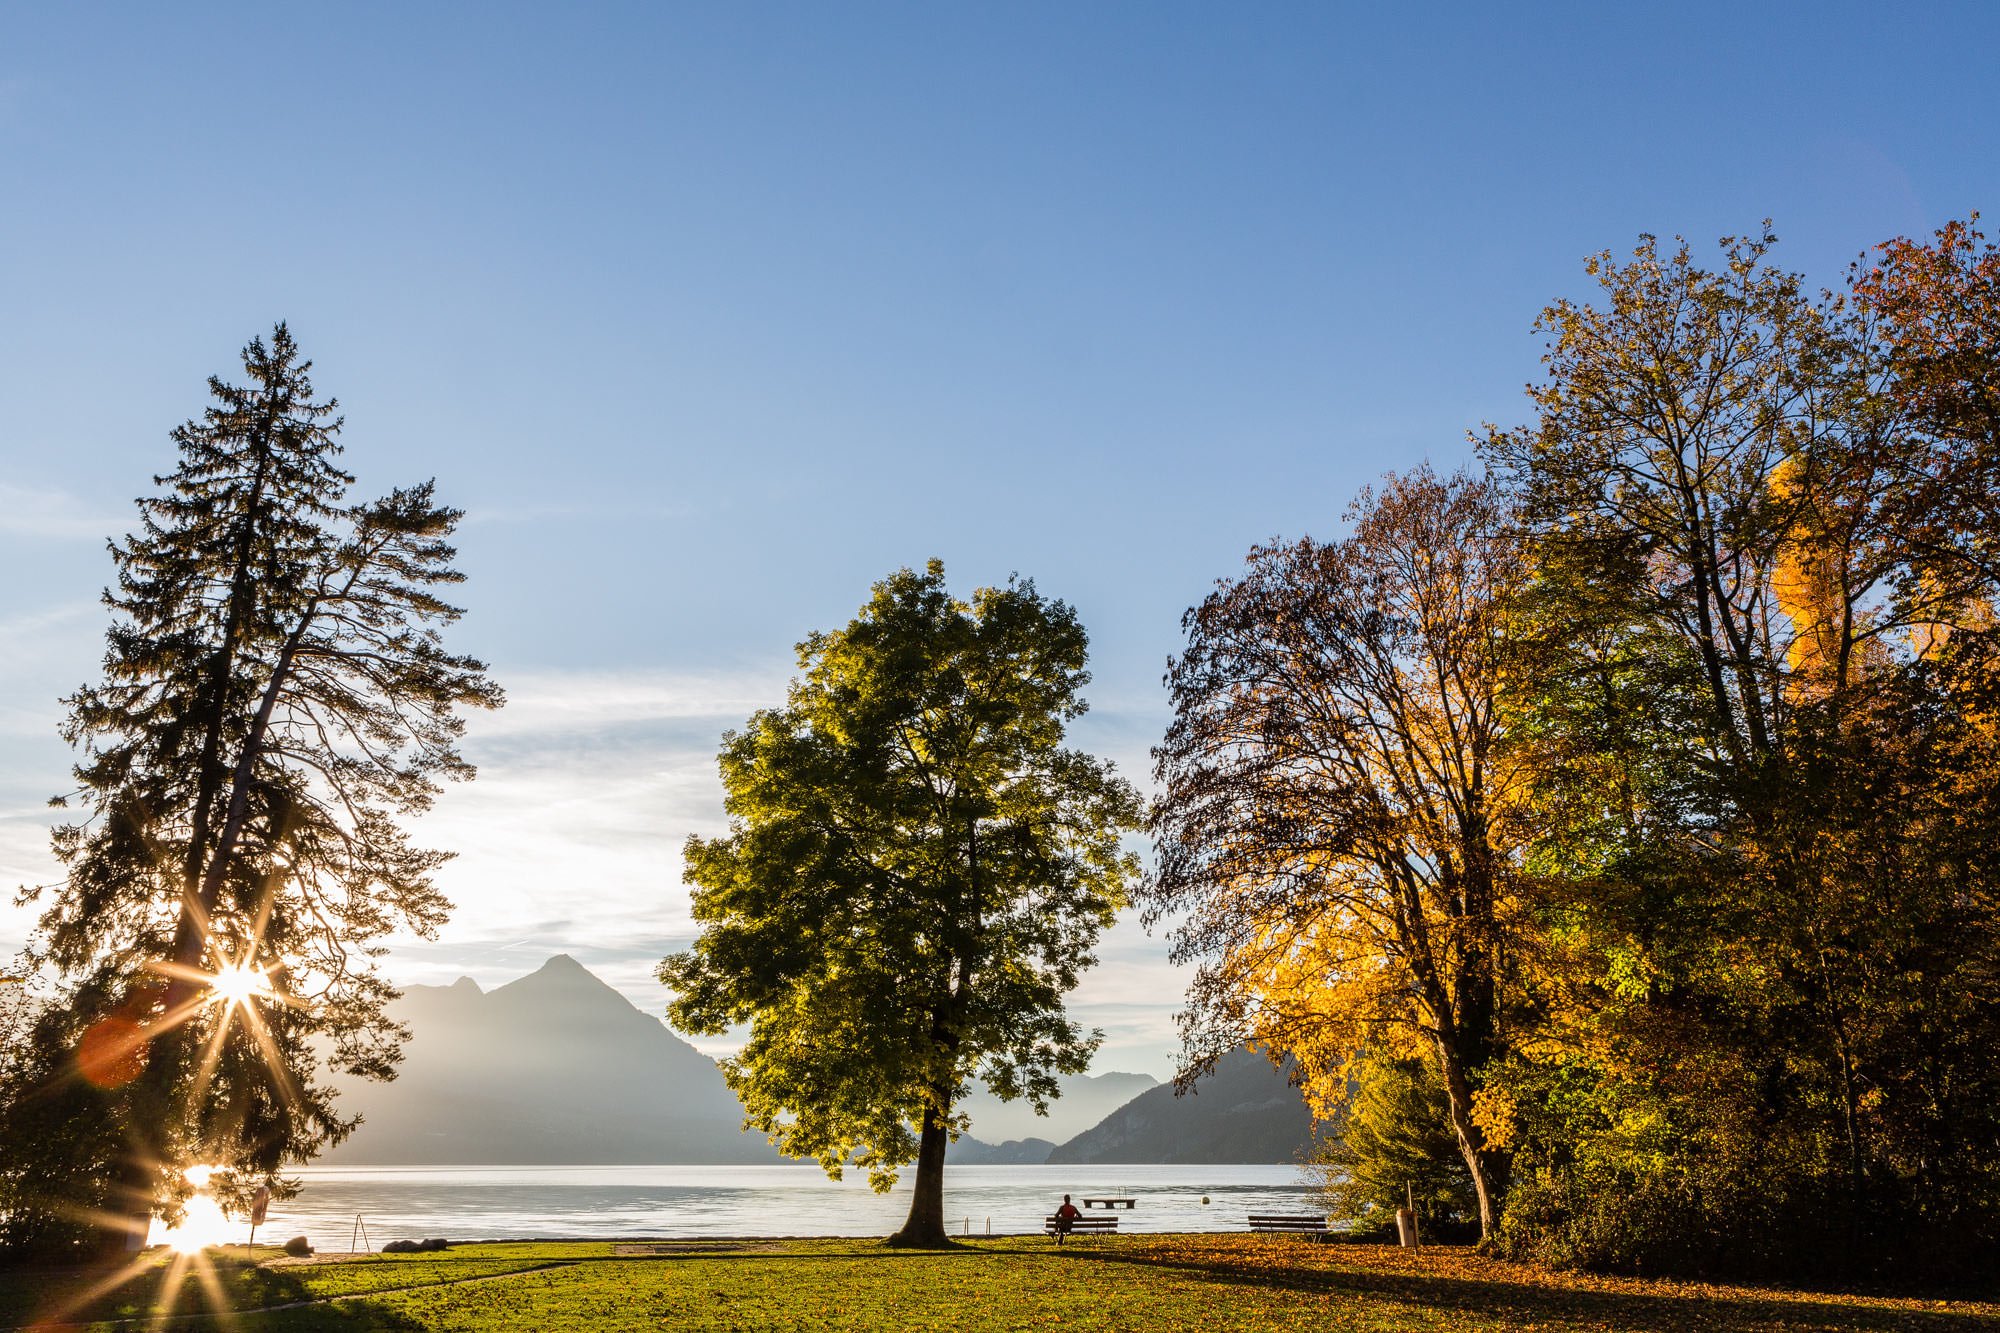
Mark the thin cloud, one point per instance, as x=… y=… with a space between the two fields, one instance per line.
x=589 y=702
x=55 y=516
x=570 y=842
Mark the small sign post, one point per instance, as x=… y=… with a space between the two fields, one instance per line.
x=260 y=1206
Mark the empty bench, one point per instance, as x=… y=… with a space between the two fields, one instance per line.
x=1298 y=1224
x=1083 y=1226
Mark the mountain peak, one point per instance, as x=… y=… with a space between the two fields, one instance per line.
x=466 y=986
x=563 y=975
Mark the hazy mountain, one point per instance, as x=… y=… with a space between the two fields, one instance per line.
x=556 y=1068
x=968 y=1151
x=1086 y=1099
x=1244 y=1112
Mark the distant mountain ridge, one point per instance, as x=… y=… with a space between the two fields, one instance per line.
x=559 y=1069
x=1085 y=1100
x=1246 y=1111
x=968 y=1151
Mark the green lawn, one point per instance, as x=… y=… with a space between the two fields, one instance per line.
x=1131 y=1282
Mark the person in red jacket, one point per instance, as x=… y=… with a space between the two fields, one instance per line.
x=1065 y=1218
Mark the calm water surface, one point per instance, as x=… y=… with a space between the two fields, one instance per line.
x=523 y=1202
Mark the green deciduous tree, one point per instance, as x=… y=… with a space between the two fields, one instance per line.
x=916 y=873
x=276 y=697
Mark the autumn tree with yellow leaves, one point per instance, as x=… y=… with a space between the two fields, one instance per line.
x=1336 y=826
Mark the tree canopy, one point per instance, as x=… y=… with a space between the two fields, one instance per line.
x=915 y=875
x=1658 y=802
x=1770 y=907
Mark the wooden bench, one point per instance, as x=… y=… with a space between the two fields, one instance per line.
x=1103 y=1226
x=1298 y=1224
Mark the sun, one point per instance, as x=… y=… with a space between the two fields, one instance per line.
x=203 y=1224
x=237 y=984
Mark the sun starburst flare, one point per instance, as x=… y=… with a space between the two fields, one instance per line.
x=239 y=983
x=114 y=1051
x=188 y=1260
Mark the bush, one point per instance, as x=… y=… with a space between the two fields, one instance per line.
x=1712 y=1166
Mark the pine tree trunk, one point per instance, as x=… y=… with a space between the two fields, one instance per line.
x=128 y=1212
x=924 y=1228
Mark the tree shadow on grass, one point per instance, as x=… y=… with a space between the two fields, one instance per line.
x=1537 y=1301
x=163 y=1294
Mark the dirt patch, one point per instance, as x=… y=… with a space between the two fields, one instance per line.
x=315 y=1259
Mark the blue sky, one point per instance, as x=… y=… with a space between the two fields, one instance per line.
x=709 y=316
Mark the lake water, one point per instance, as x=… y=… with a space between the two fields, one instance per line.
x=525 y=1202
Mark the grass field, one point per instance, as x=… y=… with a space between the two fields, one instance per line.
x=1130 y=1282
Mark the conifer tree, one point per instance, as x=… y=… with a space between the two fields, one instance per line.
x=276 y=695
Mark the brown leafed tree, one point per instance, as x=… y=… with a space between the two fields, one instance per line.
x=1335 y=825
x=1934 y=310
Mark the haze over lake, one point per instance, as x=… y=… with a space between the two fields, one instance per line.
x=527 y=1202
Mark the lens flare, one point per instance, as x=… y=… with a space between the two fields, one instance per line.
x=112 y=1052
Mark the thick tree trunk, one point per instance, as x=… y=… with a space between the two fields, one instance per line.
x=1490 y=1171
x=924 y=1228
x=1489 y=1167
